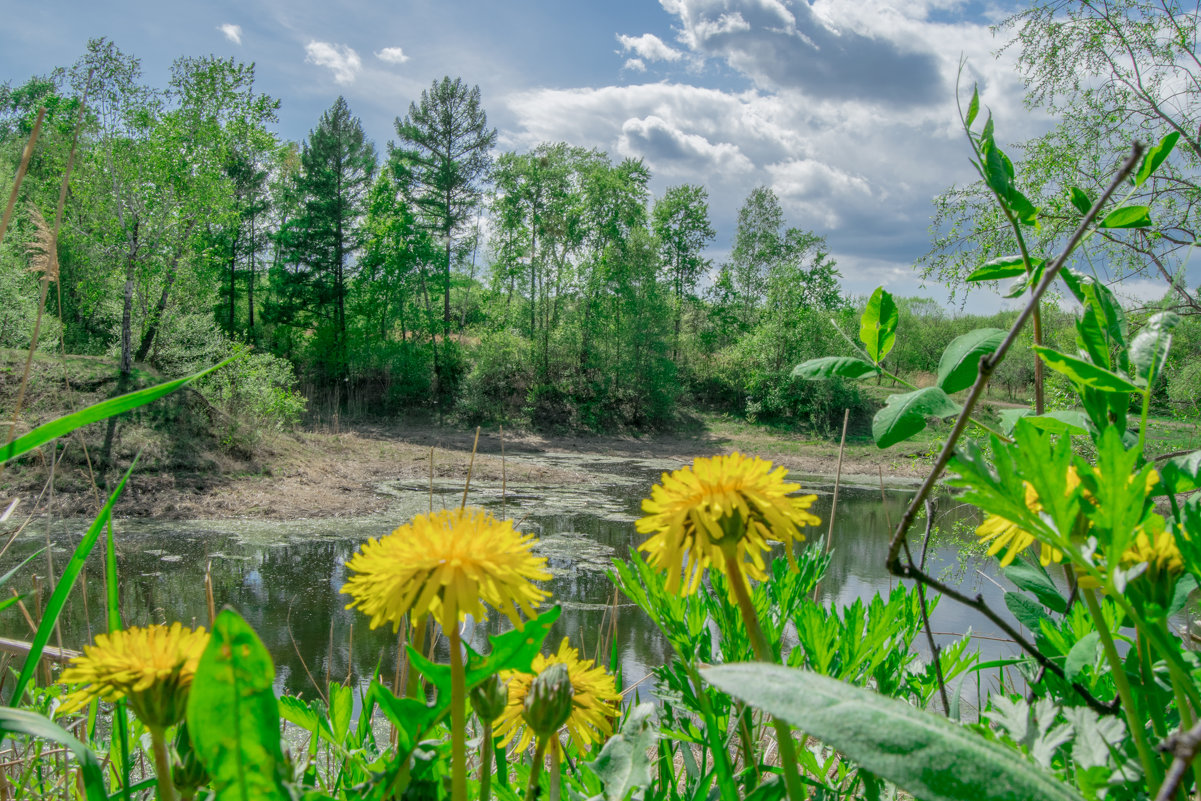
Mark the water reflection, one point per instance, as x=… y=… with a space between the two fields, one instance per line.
x=286 y=579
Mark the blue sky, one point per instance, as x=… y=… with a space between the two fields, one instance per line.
x=845 y=108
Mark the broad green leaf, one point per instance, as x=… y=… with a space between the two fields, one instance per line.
x=1022 y=207
x=513 y=650
x=905 y=415
x=999 y=269
x=1149 y=350
x=1127 y=217
x=298 y=713
x=960 y=362
x=1082 y=655
x=1010 y=417
x=1025 y=610
x=623 y=764
x=412 y=718
x=341 y=709
x=1060 y=422
x=830 y=366
x=1034 y=579
x=1180 y=474
x=878 y=326
x=233 y=715
x=1185 y=585
x=920 y=752
x=100 y=411
x=1155 y=157
x=973 y=108
x=23 y=721
x=62 y=589
x=1084 y=373
x=1081 y=200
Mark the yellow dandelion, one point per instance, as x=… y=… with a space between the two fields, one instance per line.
x=448 y=565
x=1002 y=533
x=1158 y=549
x=594 y=703
x=723 y=501
x=152 y=667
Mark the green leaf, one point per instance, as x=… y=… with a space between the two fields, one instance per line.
x=830 y=366
x=973 y=108
x=1082 y=655
x=62 y=589
x=878 y=325
x=1155 y=157
x=999 y=269
x=298 y=713
x=922 y=753
x=233 y=715
x=1180 y=474
x=1127 y=217
x=1010 y=417
x=1184 y=588
x=341 y=708
x=1025 y=610
x=1084 y=373
x=410 y=717
x=1034 y=579
x=960 y=362
x=1149 y=350
x=100 y=411
x=1061 y=422
x=1081 y=200
x=513 y=650
x=905 y=415
x=1026 y=212
x=23 y=721
x=623 y=764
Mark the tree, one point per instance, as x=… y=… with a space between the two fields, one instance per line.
x=337 y=168
x=681 y=223
x=757 y=246
x=444 y=156
x=1113 y=72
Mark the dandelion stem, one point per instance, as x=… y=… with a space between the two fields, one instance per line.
x=162 y=763
x=788 y=759
x=556 y=770
x=487 y=746
x=531 y=791
x=1150 y=765
x=458 y=717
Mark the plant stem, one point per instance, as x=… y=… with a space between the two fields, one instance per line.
x=486 y=748
x=458 y=717
x=531 y=790
x=1150 y=765
x=788 y=759
x=1182 y=704
x=162 y=763
x=556 y=769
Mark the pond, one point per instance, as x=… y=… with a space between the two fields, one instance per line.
x=285 y=577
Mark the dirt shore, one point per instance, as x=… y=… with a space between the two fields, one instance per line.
x=322 y=474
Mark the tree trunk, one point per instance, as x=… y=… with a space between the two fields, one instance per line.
x=127 y=310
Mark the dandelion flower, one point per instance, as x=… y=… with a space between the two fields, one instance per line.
x=593 y=704
x=152 y=667
x=447 y=564
x=1002 y=533
x=721 y=502
x=1157 y=548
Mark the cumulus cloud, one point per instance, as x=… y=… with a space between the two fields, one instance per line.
x=392 y=55
x=787 y=44
x=342 y=60
x=232 y=32
x=648 y=47
x=635 y=64
x=672 y=151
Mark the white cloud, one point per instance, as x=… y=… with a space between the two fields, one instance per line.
x=648 y=47
x=672 y=151
x=342 y=60
x=232 y=32
x=635 y=64
x=392 y=55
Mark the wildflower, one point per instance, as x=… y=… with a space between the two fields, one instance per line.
x=1157 y=548
x=1007 y=535
x=593 y=703
x=721 y=502
x=447 y=564
x=152 y=667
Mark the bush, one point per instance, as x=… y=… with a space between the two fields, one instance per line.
x=496 y=387
x=252 y=397
x=777 y=397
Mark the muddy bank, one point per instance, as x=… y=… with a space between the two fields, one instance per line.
x=356 y=472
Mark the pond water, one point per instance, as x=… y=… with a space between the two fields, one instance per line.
x=285 y=577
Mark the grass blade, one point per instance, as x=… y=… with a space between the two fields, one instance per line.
x=22 y=721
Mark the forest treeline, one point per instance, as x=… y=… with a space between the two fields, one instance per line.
x=544 y=288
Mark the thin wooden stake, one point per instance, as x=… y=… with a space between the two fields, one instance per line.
x=470 y=467
x=846 y=416
x=503 y=476
x=431 y=479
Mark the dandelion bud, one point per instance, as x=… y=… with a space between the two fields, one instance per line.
x=489 y=698
x=189 y=774
x=548 y=704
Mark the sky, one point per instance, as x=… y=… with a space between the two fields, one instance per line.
x=846 y=108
